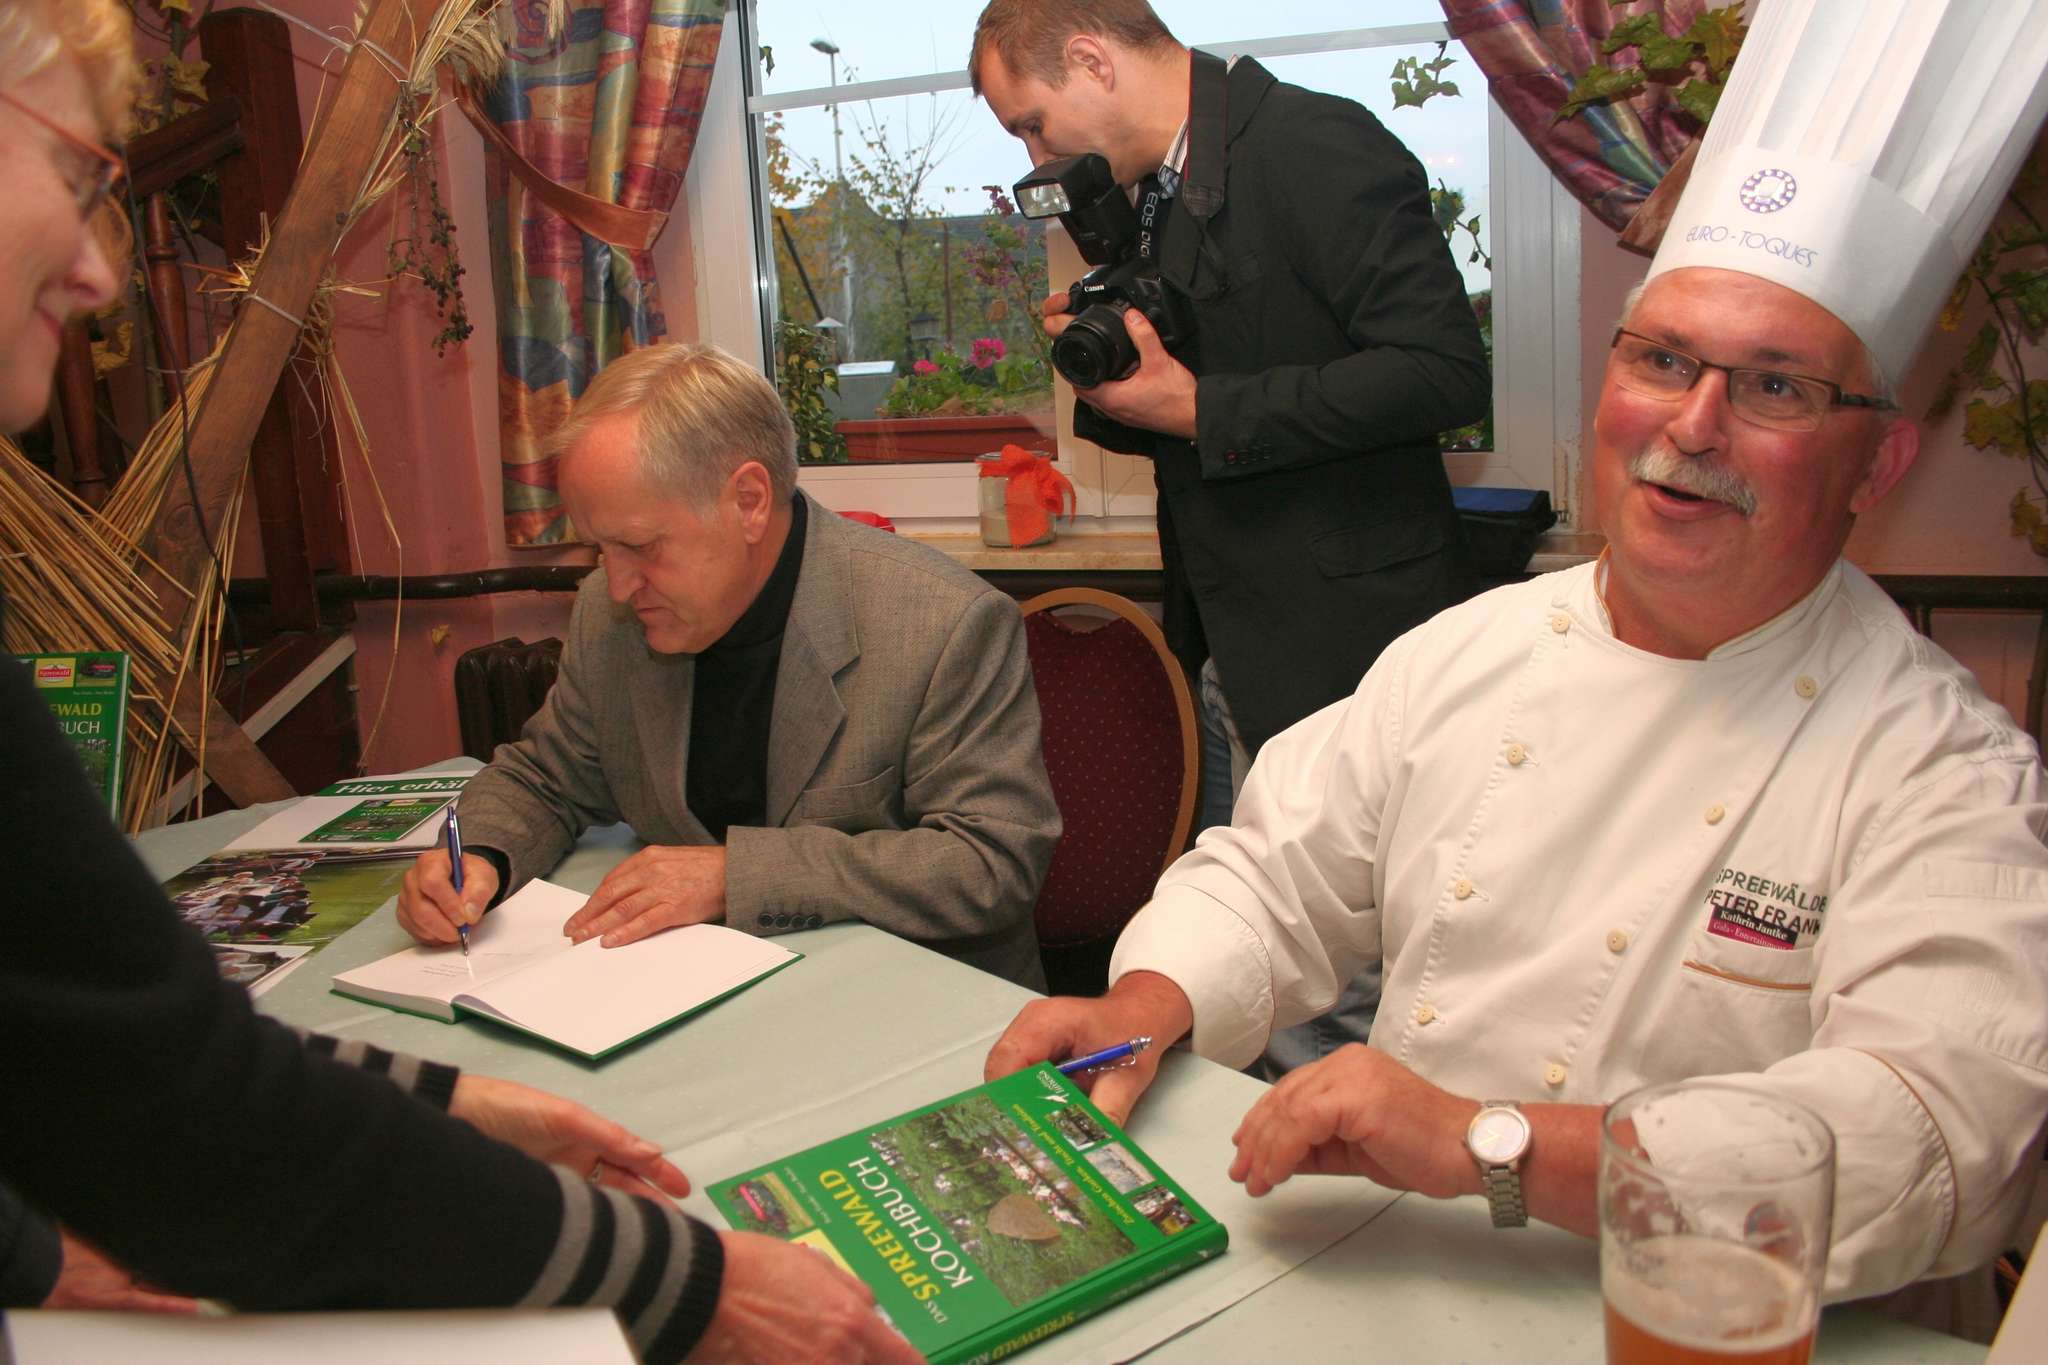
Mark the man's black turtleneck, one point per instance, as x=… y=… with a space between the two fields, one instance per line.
x=733 y=697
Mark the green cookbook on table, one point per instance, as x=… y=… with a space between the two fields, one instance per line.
x=987 y=1221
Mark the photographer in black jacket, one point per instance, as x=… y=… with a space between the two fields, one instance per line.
x=1305 y=517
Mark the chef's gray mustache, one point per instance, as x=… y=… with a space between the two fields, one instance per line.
x=1701 y=478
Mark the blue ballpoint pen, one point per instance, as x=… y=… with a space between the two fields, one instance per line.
x=1126 y=1053
x=455 y=869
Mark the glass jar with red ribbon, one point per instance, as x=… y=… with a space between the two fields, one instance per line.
x=1021 y=492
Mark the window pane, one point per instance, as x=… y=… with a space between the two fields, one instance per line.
x=888 y=240
x=1448 y=135
x=884 y=236
x=882 y=41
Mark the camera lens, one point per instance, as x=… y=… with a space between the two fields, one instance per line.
x=1095 y=347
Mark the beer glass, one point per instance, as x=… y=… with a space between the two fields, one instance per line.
x=1715 y=1204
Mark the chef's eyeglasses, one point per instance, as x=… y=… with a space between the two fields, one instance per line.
x=1784 y=402
x=103 y=167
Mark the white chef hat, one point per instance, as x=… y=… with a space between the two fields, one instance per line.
x=1859 y=152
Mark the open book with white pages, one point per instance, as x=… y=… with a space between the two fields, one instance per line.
x=522 y=971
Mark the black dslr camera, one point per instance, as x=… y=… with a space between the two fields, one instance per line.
x=1110 y=235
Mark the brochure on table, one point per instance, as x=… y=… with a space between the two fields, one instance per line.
x=397 y=813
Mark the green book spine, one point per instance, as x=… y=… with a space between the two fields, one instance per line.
x=987 y=1221
x=88 y=693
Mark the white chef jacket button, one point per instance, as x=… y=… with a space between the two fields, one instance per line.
x=1716 y=813
x=1553 y=1075
x=1462 y=888
x=1424 y=1014
x=1517 y=755
x=1806 y=687
x=1617 y=941
x=1560 y=623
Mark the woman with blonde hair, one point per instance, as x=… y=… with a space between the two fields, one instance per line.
x=123 y=1068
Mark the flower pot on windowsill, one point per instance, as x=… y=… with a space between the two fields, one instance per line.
x=937 y=440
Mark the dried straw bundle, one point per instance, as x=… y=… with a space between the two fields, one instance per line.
x=73 y=581
x=74 y=577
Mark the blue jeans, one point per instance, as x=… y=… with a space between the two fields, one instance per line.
x=1224 y=765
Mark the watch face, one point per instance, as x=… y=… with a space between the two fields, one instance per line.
x=1499 y=1135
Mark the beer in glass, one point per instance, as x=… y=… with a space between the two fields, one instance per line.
x=1715 y=1204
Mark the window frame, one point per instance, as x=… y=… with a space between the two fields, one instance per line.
x=1533 y=221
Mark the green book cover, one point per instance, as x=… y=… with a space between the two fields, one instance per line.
x=88 y=693
x=987 y=1221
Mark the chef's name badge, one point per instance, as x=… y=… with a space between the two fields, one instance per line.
x=1751 y=908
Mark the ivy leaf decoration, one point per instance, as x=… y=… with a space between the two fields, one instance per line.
x=1993 y=426
x=2026 y=518
x=187 y=78
x=1997 y=426
x=1416 y=81
x=110 y=353
x=1698 y=97
x=1718 y=34
x=1973 y=374
x=1633 y=32
x=1599 y=85
x=1664 y=54
x=2028 y=290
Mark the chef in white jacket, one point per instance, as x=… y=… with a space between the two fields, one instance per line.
x=1708 y=807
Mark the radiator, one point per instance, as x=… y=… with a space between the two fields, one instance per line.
x=498 y=687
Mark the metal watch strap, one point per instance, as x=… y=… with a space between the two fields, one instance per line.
x=1504 y=1196
x=1504 y=1184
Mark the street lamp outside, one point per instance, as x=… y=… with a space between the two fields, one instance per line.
x=831 y=51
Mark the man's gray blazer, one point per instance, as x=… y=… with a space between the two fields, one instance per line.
x=905 y=783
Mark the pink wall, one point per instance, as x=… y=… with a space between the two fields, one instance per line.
x=431 y=424
x=1947 y=516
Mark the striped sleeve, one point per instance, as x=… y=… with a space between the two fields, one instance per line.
x=657 y=1269
x=430 y=1082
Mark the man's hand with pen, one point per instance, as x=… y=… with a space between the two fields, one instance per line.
x=431 y=909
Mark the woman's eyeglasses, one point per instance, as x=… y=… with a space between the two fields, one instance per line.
x=103 y=167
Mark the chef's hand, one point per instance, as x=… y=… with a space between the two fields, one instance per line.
x=1358 y=1112
x=660 y=887
x=1141 y=1004
x=429 y=906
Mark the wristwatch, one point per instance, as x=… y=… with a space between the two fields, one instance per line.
x=1498 y=1139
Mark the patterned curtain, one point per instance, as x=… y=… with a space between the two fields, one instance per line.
x=1611 y=156
x=587 y=136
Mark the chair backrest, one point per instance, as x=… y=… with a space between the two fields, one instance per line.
x=1121 y=748
x=498 y=687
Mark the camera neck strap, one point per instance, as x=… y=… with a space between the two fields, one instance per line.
x=1201 y=188
x=1200 y=192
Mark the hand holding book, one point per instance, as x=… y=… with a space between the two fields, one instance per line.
x=780 y=1302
